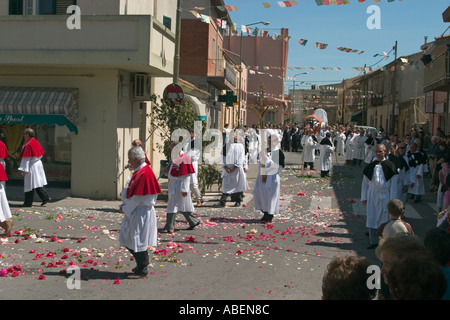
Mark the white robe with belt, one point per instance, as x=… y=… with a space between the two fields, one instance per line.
x=266 y=196
x=419 y=186
x=340 y=143
x=194 y=154
x=359 y=150
x=349 y=148
x=139 y=226
x=308 y=148
x=176 y=186
x=235 y=181
x=35 y=174
x=378 y=192
x=325 y=162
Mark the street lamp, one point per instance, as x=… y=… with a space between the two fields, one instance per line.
x=240 y=68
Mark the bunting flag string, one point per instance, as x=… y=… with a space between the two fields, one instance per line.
x=349 y=50
x=289 y=4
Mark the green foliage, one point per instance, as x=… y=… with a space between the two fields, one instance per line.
x=208 y=175
x=168 y=118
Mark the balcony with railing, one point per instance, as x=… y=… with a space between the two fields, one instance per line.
x=227 y=81
x=437 y=77
x=137 y=43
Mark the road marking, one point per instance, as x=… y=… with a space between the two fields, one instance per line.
x=320 y=203
x=360 y=209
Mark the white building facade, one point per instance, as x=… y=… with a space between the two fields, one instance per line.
x=83 y=80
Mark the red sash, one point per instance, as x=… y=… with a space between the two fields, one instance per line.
x=32 y=149
x=3 y=151
x=181 y=166
x=143 y=182
x=3 y=176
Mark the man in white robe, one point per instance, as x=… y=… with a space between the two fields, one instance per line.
x=325 y=161
x=403 y=173
x=340 y=142
x=370 y=145
x=179 y=174
x=33 y=169
x=377 y=188
x=253 y=145
x=193 y=152
x=266 y=193
x=309 y=145
x=138 y=229
x=234 y=177
x=416 y=162
x=349 y=148
x=359 y=151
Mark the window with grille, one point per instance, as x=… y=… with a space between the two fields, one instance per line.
x=39 y=7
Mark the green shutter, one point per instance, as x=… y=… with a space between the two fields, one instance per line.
x=15 y=7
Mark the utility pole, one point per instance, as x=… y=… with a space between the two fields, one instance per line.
x=176 y=64
x=394 y=89
x=365 y=98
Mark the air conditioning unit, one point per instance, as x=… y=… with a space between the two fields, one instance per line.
x=142 y=87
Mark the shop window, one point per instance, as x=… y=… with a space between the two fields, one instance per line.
x=57 y=143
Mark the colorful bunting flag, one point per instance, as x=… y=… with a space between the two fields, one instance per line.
x=231 y=8
x=285 y=4
x=302 y=42
x=266 y=5
x=321 y=45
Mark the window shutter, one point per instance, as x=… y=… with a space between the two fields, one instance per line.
x=62 y=5
x=15 y=7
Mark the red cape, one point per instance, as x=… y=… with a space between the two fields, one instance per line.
x=181 y=166
x=3 y=176
x=143 y=182
x=3 y=151
x=32 y=149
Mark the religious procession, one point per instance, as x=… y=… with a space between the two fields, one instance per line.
x=393 y=172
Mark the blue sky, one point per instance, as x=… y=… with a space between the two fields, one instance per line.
x=406 y=21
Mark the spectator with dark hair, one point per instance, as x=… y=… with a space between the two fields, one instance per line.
x=393 y=250
x=416 y=278
x=346 y=279
x=437 y=241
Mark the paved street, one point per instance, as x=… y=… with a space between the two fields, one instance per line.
x=230 y=256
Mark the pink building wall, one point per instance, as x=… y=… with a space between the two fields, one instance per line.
x=268 y=57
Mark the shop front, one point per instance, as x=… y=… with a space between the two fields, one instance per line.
x=52 y=113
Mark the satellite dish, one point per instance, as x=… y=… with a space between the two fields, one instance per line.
x=275 y=36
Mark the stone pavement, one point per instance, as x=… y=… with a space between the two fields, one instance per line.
x=230 y=256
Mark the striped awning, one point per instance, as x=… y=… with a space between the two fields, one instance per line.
x=36 y=105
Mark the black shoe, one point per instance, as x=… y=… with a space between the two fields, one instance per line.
x=264 y=218
x=237 y=204
x=193 y=227
x=219 y=205
x=25 y=205
x=372 y=246
x=45 y=202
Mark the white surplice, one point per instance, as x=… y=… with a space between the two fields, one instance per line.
x=35 y=174
x=266 y=196
x=177 y=185
x=235 y=181
x=308 y=148
x=378 y=192
x=139 y=226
